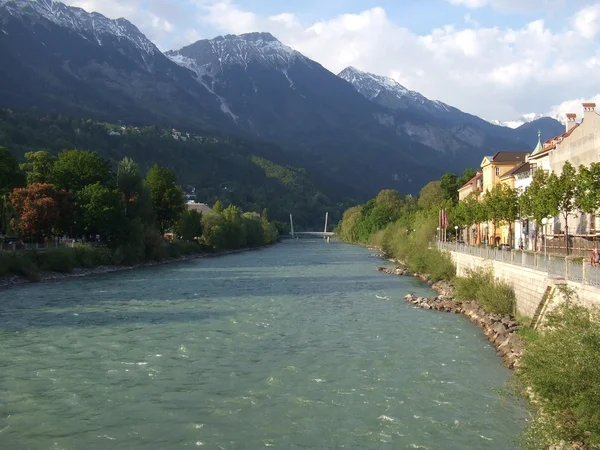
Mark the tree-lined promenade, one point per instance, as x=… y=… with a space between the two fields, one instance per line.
x=124 y=213
x=574 y=191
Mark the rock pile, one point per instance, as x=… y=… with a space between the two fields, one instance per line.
x=393 y=270
x=500 y=330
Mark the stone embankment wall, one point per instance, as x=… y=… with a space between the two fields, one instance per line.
x=529 y=285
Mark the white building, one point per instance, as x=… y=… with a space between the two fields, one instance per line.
x=580 y=145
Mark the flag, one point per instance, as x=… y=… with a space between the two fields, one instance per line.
x=444 y=219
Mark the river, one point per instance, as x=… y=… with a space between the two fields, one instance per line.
x=298 y=346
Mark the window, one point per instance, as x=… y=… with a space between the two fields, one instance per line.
x=497 y=171
x=533 y=168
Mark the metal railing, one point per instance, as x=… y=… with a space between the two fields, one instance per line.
x=578 y=270
x=19 y=245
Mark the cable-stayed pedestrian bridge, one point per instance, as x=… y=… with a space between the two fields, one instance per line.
x=321 y=234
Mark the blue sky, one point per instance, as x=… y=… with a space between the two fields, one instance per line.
x=498 y=59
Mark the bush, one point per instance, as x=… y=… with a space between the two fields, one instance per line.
x=57 y=260
x=561 y=368
x=492 y=295
x=18 y=263
x=468 y=288
x=85 y=256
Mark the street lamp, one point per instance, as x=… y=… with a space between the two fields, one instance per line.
x=438 y=234
x=456 y=234
x=544 y=223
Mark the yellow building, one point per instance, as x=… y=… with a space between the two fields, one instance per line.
x=497 y=169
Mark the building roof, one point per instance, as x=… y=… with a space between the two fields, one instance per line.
x=199 y=207
x=520 y=168
x=508 y=157
x=471 y=181
x=538 y=148
x=550 y=144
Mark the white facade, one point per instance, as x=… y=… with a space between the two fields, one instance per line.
x=522 y=235
x=580 y=146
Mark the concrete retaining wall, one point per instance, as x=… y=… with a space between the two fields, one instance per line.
x=529 y=285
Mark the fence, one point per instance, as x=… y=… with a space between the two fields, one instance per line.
x=578 y=245
x=557 y=267
x=19 y=245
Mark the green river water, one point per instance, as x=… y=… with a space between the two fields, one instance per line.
x=299 y=346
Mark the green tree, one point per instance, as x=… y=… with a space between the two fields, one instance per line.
x=98 y=210
x=431 y=196
x=218 y=207
x=466 y=176
x=38 y=169
x=587 y=196
x=347 y=228
x=535 y=202
x=167 y=197
x=75 y=169
x=562 y=191
x=135 y=196
x=11 y=177
x=506 y=207
x=449 y=186
x=189 y=225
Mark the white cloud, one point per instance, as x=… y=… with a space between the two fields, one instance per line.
x=494 y=72
x=511 y=6
x=573 y=106
x=587 y=21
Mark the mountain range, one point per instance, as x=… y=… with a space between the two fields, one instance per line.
x=356 y=132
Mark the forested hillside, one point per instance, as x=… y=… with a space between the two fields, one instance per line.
x=249 y=174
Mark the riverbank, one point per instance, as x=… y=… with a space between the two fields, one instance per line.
x=10 y=281
x=501 y=330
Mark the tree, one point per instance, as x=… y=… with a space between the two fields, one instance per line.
x=218 y=207
x=465 y=177
x=535 y=202
x=39 y=167
x=129 y=181
x=347 y=229
x=135 y=196
x=507 y=207
x=189 y=225
x=11 y=177
x=449 y=186
x=561 y=192
x=42 y=210
x=75 y=169
x=587 y=195
x=98 y=210
x=468 y=212
x=167 y=197
x=431 y=196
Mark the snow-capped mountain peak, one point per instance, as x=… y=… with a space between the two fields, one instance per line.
x=388 y=92
x=210 y=56
x=92 y=26
x=526 y=118
x=370 y=85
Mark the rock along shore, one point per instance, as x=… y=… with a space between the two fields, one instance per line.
x=10 y=281
x=500 y=330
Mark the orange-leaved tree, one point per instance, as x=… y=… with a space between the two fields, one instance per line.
x=42 y=210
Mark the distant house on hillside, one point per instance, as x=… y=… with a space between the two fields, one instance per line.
x=199 y=207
